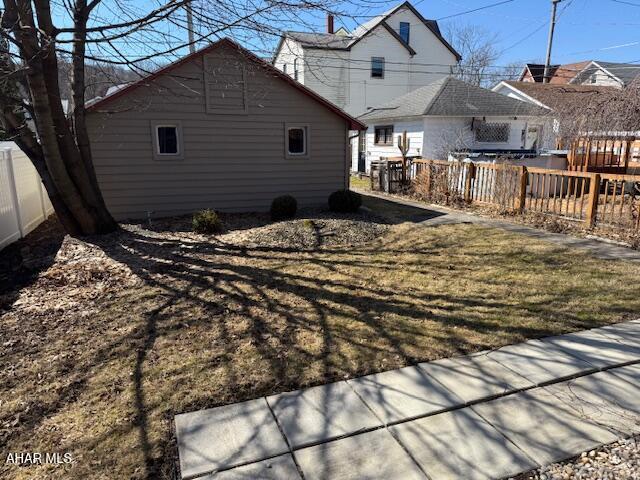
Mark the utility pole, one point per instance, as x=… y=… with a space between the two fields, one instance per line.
x=552 y=26
x=192 y=45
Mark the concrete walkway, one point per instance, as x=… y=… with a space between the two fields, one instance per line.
x=403 y=210
x=489 y=415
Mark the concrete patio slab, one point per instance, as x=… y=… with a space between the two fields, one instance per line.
x=372 y=456
x=596 y=348
x=540 y=362
x=404 y=394
x=544 y=428
x=320 y=414
x=627 y=332
x=475 y=377
x=604 y=398
x=227 y=436
x=460 y=444
x=630 y=373
x=278 y=468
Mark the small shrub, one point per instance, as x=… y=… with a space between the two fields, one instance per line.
x=308 y=223
x=206 y=221
x=345 y=201
x=283 y=208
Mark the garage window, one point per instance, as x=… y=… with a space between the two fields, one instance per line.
x=167 y=141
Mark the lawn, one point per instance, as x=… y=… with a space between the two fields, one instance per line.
x=105 y=345
x=363 y=183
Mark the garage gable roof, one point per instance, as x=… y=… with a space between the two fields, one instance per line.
x=145 y=81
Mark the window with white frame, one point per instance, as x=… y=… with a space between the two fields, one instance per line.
x=297 y=140
x=167 y=140
x=486 y=132
x=295 y=69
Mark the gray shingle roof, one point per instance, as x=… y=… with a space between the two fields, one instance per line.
x=321 y=40
x=451 y=97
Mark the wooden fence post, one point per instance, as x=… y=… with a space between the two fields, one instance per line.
x=522 y=192
x=388 y=176
x=468 y=182
x=592 y=205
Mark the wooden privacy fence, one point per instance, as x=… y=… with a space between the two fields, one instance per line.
x=592 y=198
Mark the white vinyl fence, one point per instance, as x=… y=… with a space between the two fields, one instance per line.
x=24 y=203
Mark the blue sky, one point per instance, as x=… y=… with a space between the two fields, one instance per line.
x=586 y=29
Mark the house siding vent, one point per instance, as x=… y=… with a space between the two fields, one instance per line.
x=225 y=82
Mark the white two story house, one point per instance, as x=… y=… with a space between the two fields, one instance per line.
x=390 y=55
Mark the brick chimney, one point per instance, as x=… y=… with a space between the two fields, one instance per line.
x=330 y=23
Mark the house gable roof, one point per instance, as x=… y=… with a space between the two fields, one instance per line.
x=102 y=102
x=451 y=97
x=332 y=41
x=560 y=74
x=625 y=73
x=558 y=97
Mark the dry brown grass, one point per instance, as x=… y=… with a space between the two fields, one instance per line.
x=182 y=323
x=362 y=183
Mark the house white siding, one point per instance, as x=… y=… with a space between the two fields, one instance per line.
x=597 y=77
x=291 y=54
x=327 y=73
x=344 y=76
x=367 y=92
x=414 y=134
x=433 y=60
x=433 y=137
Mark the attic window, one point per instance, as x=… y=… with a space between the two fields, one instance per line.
x=377 y=67
x=404 y=31
x=225 y=85
x=492 y=132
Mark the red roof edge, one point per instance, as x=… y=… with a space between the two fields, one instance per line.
x=353 y=123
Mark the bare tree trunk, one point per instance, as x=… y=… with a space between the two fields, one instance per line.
x=67 y=174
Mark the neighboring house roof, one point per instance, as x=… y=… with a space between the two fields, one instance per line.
x=451 y=97
x=557 y=97
x=560 y=74
x=333 y=41
x=536 y=71
x=99 y=103
x=624 y=72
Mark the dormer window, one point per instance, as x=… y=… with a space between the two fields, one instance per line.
x=404 y=31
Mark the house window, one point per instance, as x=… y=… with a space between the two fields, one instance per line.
x=297 y=140
x=492 y=132
x=377 y=67
x=295 y=69
x=404 y=31
x=167 y=138
x=167 y=141
x=383 y=135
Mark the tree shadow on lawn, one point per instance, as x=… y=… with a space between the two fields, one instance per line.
x=214 y=276
x=215 y=323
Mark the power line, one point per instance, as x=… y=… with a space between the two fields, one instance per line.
x=474 y=10
x=626 y=3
